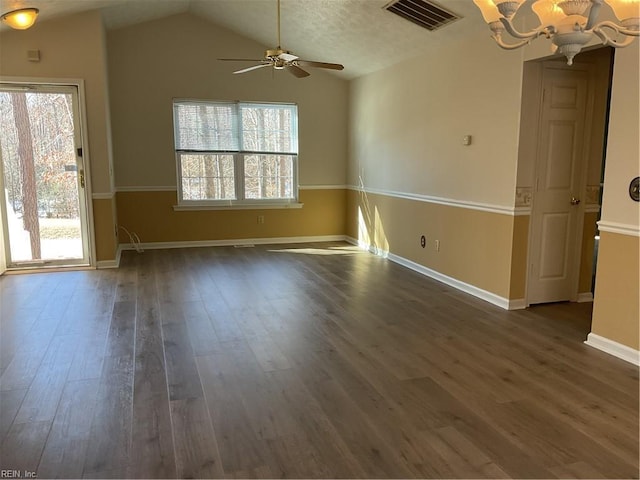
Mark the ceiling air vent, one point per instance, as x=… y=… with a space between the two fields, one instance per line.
x=426 y=14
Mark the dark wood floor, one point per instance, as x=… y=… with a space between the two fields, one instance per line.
x=300 y=361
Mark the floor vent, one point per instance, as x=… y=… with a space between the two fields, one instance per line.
x=426 y=14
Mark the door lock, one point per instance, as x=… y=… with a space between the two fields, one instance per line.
x=575 y=201
x=81 y=173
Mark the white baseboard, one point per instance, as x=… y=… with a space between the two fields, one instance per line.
x=452 y=282
x=585 y=297
x=497 y=300
x=111 y=263
x=616 y=349
x=102 y=264
x=517 y=304
x=233 y=242
x=369 y=248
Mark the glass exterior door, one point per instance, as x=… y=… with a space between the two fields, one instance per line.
x=43 y=198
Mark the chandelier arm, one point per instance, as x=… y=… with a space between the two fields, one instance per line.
x=607 y=41
x=616 y=28
x=510 y=46
x=593 y=13
x=508 y=25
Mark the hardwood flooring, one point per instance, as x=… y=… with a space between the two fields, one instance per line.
x=300 y=361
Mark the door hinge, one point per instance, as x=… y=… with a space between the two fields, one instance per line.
x=79 y=150
x=81 y=177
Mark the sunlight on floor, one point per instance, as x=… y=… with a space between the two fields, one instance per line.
x=322 y=251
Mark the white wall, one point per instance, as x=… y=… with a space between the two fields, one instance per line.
x=623 y=147
x=176 y=57
x=407 y=124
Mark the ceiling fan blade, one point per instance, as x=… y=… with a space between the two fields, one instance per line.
x=297 y=71
x=310 y=63
x=287 y=57
x=241 y=59
x=255 y=67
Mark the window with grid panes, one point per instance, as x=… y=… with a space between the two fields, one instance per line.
x=236 y=153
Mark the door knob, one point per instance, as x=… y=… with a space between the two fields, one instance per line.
x=575 y=201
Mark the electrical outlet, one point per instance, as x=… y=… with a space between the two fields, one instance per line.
x=260 y=219
x=437 y=245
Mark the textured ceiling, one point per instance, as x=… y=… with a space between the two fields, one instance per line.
x=360 y=34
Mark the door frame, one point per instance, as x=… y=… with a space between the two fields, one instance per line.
x=78 y=83
x=533 y=249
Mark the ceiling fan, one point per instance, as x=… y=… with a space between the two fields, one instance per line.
x=281 y=59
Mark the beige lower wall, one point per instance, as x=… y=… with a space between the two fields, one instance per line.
x=616 y=306
x=475 y=246
x=151 y=216
x=104 y=214
x=586 y=255
x=519 y=257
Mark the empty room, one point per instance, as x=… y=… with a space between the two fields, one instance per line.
x=319 y=238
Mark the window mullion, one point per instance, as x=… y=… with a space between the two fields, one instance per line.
x=238 y=160
x=179 y=177
x=294 y=187
x=239 y=157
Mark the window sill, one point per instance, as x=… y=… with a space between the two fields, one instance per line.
x=239 y=206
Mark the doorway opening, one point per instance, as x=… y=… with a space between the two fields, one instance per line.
x=596 y=241
x=563 y=162
x=42 y=177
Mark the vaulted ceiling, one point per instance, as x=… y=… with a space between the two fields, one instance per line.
x=360 y=34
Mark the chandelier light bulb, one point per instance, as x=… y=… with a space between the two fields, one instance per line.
x=574 y=7
x=508 y=8
x=625 y=9
x=548 y=12
x=489 y=10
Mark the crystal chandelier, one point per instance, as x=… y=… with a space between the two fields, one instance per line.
x=569 y=24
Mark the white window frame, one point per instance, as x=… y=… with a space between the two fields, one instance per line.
x=240 y=202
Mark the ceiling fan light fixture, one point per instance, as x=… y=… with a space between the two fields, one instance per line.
x=281 y=59
x=20 y=19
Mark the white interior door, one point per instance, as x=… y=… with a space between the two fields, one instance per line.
x=556 y=213
x=43 y=201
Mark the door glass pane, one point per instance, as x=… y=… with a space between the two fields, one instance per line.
x=37 y=143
